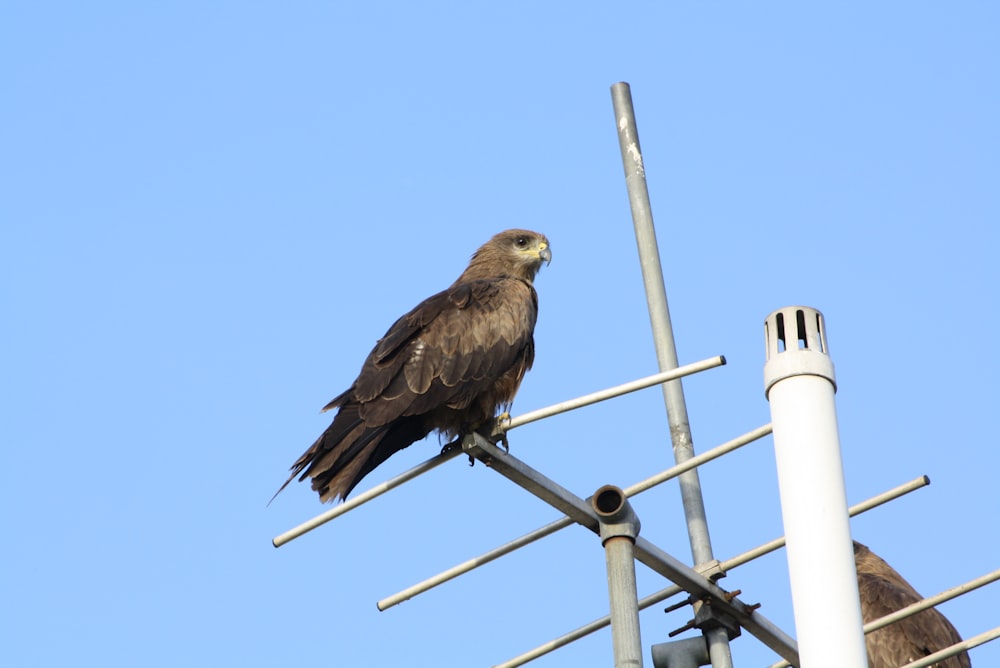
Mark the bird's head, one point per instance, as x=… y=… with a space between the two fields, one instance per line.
x=530 y=247
x=514 y=252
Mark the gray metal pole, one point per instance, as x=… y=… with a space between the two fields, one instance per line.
x=618 y=529
x=659 y=317
x=666 y=352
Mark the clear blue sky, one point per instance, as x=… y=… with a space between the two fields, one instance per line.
x=211 y=211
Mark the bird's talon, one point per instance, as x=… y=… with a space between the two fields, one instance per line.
x=448 y=447
x=498 y=431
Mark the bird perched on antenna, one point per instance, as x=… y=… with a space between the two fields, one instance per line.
x=884 y=591
x=447 y=366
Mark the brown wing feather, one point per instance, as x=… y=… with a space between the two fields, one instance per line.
x=485 y=348
x=882 y=591
x=452 y=356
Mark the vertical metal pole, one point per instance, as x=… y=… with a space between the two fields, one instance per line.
x=619 y=527
x=799 y=384
x=666 y=352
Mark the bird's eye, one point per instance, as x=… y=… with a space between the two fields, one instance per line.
x=521 y=242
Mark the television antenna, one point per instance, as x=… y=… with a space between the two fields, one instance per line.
x=800 y=385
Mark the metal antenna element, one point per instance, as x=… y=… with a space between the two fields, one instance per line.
x=513 y=423
x=365 y=497
x=800 y=385
x=665 y=376
x=727 y=565
x=975 y=641
x=666 y=352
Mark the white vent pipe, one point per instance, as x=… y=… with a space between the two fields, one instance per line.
x=799 y=384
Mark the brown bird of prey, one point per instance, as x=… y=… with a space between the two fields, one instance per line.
x=448 y=366
x=884 y=591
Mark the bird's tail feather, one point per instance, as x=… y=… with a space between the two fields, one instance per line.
x=349 y=450
x=390 y=440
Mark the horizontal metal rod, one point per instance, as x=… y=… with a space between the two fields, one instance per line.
x=673 y=590
x=507 y=425
x=698 y=460
x=932 y=601
x=857 y=509
x=611 y=392
x=974 y=641
x=564 y=522
x=585 y=630
x=366 y=496
x=580 y=511
x=932 y=659
x=475 y=562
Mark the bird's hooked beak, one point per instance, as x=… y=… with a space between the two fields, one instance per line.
x=544 y=253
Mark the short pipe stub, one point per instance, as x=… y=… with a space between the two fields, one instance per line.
x=614 y=513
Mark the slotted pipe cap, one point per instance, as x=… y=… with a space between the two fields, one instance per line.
x=795 y=338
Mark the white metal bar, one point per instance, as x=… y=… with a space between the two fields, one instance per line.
x=471 y=564
x=584 y=630
x=366 y=496
x=611 y=392
x=857 y=509
x=698 y=460
x=932 y=601
x=974 y=641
